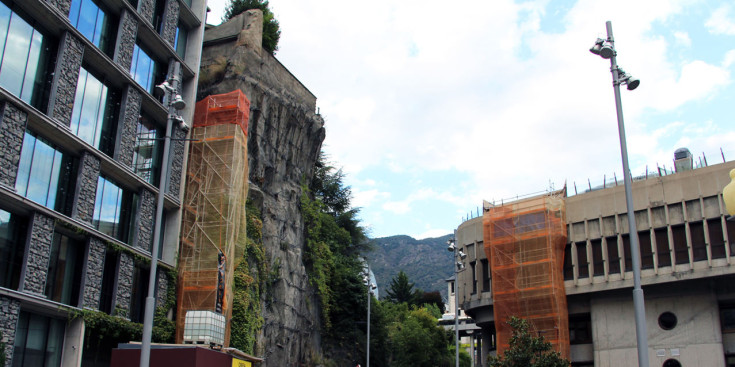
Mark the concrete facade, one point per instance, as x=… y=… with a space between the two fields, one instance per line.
x=686 y=255
x=76 y=217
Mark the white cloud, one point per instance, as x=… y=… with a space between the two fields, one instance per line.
x=363 y=198
x=432 y=233
x=682 y=38
x=407 y=87
x=721 y=21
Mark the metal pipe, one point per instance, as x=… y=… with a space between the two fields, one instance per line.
x=638 y=299
x=145 y=348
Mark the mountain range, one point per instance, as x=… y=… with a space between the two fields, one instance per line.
x=426 y=262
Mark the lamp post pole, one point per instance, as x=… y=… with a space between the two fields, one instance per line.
x=171 y=93
x=456 y=312
x=369 y=301
x=458 y=267
x=638 y=299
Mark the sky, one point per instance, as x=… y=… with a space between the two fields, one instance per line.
x=431 y=107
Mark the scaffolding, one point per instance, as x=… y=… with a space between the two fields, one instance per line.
x=213 y=225
x=524 y=241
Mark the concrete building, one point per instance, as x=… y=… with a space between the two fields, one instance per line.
x=687 y=248
x=80 y=163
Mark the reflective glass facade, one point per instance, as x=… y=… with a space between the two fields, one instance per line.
x=65 y=270
x=94 y=23
x=25 y=57
x=95 y=111
x=148 y=153
x=146 y=71
x=38 y=341
x=114 y=209
x=12 y=246
x=45 y=174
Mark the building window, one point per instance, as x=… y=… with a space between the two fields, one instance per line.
x=45 y=174
x=146 y=71
x=474 y=277
x=140 y=291
x=94 y=23
x=25 y=59
x=662 y=247
x=582 y=264
x=568 y=266
x=182 y=35
x=667 y=320
x=716 y=238
x=627 y=253
x=95 y=111
x=671 y=363
x=148 y=154
x=114 y=210
x=157 y=21
x=38 y=340
x=727 y=318
x=644 y=242
x=580 y=329
x=485 y=275
x=598 y=265
x=681 y=251
x=12 y=246
x=699 y=246
x=109 y=274
x=613 y=256
x=66 y=262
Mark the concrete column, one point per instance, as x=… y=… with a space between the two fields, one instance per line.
x=62 y=5
x=12 y=130
x=93 y=273
x=37 y=255
x=127 y=126
x=66 y=77
x=170 y=21
x=10 y=309
x=127 y=31
x=146 y=213
x=177 y=162
x=73 y=343
x=85 y=191
x=124 y=285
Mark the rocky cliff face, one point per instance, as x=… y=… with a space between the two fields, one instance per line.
x=284 y=139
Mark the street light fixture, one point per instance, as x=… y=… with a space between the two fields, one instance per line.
x=606 y=50
x=459 y=256
x=174 y=103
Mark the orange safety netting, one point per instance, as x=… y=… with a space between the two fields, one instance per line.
x=524 y=241
x=213 y=220
x=227 y=108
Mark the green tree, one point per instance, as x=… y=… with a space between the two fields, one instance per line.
x=418 y=341
x=401 y=290
x=271 y=28
x=526 y=350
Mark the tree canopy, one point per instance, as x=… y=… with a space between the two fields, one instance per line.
x=271 y=28
x=526 y=350
x=401 y=290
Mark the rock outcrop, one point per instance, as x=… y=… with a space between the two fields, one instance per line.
x=284 y=139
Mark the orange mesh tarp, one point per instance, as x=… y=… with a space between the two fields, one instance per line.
x=213 y=218
x=228 y=108
x=524 y=241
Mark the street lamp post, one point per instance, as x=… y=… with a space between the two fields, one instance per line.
x=174 y=103
x=370 y=287
x=606 y=50
x=458 y=258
